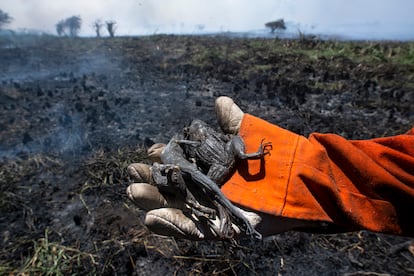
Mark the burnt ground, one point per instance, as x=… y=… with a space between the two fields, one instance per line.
x=75 y=112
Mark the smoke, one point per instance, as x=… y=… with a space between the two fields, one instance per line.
x=357 y=19
x=135 y=17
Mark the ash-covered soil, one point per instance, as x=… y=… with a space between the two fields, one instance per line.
x=75 y=112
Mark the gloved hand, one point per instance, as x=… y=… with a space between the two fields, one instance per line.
x=165 y=214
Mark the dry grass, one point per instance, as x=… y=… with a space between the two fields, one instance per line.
x=15 y=174
x=50 y=258
x=107 y=168
x=102 y=174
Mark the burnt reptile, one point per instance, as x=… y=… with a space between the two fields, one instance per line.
x=198 y=161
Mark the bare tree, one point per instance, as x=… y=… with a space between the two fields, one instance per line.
x=97 y=25
x=278 y=24
x=110 y=27
x=5 y=18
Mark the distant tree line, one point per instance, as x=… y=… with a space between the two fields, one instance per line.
x=71 y=26
x=5 y=18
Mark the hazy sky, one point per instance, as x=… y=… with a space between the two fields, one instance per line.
x=386 y=18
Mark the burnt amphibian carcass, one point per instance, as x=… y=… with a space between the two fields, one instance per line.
x=196 y=163
x=215 y=153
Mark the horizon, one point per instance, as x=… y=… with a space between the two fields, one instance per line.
x=352 y=19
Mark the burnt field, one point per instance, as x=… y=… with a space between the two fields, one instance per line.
x=75 y=112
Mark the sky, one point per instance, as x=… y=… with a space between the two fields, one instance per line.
x=366 y=19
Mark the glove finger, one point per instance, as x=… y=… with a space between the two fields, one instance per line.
x=140 y=173
x=154 y=152
x=165 y=216
x=173 y=222
x=148 y=197
x=229 y=115
x=176 y=223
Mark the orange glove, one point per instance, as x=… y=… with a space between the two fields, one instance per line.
x=353 y=185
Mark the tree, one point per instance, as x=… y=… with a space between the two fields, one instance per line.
x=110 y=27
x=97 y=25
x=71 y=24
x=74 y=25
x=60 y=28
x=5 y=18
x=278 y=24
